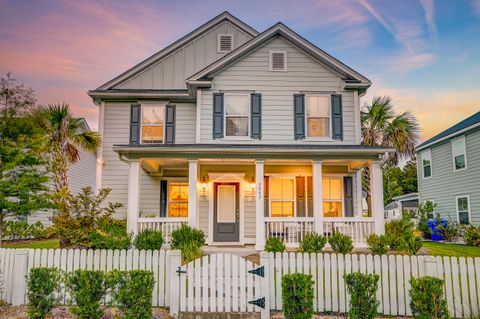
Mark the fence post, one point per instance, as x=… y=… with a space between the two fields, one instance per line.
x=431 y=266
x=175 y=263
x=19 y=277
x=265 y=283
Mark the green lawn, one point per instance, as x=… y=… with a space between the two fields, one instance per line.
x=44 y=244
x=441 y=249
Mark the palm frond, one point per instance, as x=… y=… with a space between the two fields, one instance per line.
x=89 y=141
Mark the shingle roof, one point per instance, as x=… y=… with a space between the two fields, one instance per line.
x=392 y=205
x=469 y=121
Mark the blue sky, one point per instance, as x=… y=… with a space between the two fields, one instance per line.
x=423 y=53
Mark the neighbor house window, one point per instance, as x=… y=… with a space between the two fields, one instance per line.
x=177 y=199
x=237 y=114
x=332 y=190
x=152 y=123
x=282 y=196
x=426 y=158
x=459 y=154
x=318 y=116
x=463 y=209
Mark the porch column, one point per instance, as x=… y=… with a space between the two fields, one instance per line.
x=259 y=206
x=317 y=196
x=133 y=196
x=359 y=190
x=376 y=189
x=192 y=192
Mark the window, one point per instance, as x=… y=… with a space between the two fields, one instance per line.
x=318 y=116
x=332 y=190
x=225 y=43
x=426 y=157
x=237 y=113
x=459 y=154
x=278 y=61
x=177 y=199
x=282 y=196
x=152 y=123
x=463 y=209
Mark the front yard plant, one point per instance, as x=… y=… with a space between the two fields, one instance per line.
x=400 y=236
x=341 y=243
x=297 y=296
x=149 y=239
x=427 y=299
x=362 y=289
x=189 y=240
x=87 y=288
x=274 y=245
x=42 y=286
x=377 y=244
x=110 y=234
x=313 y=243
x=471 y=235
x=450 y=231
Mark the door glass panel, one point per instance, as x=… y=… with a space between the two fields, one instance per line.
x=226 y=204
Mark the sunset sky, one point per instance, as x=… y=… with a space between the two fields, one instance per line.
x=423 y=53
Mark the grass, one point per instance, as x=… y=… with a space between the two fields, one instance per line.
x=41 y=244
x=441 y=249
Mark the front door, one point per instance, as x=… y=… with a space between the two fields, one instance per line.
x=226 y=212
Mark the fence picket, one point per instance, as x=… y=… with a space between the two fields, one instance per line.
x=400 y=286
x=313 y=271
x=408 y=274
x=471 y=286
x=464 y=286
x=235 y=295
x=328 y=283
x=341 y=283
x=457 y=297
x=334 y=284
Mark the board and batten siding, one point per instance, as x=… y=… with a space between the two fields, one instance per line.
x=251 y=73
x=445 y=184
x=172 y=71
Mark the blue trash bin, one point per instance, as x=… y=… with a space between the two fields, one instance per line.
x=432 y=224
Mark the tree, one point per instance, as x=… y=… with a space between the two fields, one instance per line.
x=397 y=181
x=409 y=181
x=65 y=139
x=23 y=174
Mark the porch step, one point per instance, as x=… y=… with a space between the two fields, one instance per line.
x=218 y=315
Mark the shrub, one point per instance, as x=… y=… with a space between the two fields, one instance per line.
x=426 y=298
x=274 y=245
x=362 y=289
x=425 y=211
x=377 y=244
x=313 y=243
x=297 y=296
x=132 y=292
x=413 y=245
x=397 y=231
x=189 y=240
x=87 y=288
x=471 y=235
x=149 y=239
x=42 y=285
x=449 y=232
x=110 y=234
x=341 y=243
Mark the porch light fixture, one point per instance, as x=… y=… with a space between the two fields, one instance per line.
x=203 y=183
x=252 y=184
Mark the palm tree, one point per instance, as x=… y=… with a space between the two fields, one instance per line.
x=65 y=139
x=382 y=126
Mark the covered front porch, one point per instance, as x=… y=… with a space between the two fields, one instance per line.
x=240 y=201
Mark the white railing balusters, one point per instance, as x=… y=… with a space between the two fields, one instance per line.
x=164 y=224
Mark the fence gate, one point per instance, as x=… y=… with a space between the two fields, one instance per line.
x=221 y=283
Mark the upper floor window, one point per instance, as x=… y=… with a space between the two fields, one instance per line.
x=426 y=158
x=177 y=199
x=318 y=116
x=225 y=43
x=463 y=209
x=278 y=61
x=459 y=154
x=332 y=192
x=152 y=123
x=237 y=115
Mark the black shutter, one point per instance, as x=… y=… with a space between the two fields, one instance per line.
x=163 y=198
x=217 y=115
x=300 y=190
x=265 y=196
x=135 y=116
x=337 y=121
x=309 y=196
x=256 y=115
x=348 y=195
x=299 y=116
x=170 y=124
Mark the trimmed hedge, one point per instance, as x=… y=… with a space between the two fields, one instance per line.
x=274 y=245
x=362 y=289
x=313 y=243
x=297 y=296
x=42 y=285
x=149 y=239
x=341 y=243
x=427 y=299
x=87 y=288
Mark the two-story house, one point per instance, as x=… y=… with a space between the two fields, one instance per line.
x=245 y=135
x=449 y=171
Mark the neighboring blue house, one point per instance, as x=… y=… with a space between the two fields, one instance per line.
x=449 y=171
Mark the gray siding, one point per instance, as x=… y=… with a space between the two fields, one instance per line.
x=277 y=89
x=82 y=173
x=172 y=71
x=445 y=184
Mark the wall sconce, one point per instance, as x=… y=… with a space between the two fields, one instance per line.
x=252 y=184
x=204 y=184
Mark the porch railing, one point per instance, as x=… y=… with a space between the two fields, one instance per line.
x=358 y=228
x=290 y=230
x=165 y=224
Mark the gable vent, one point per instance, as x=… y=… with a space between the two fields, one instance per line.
x=225 y=43
x=278 y=61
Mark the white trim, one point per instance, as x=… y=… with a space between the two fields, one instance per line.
x=133 y=196
x=319 y=138
x=358 y=125
x=259 y=205
x=317 y=196
x=461 y=139
x=466 y=129
x=193 y=194
x=270 y=63
x=467 y=196
x=226 y=178
x=241 y=137
x=99 y=156
x=219 y=35
x=429 y=153
x=198 y=107
x=376 y=181
x=153 y=104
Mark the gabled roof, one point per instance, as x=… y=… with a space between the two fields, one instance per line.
x=225 y=16
x=351 y=77
x=460 y=127
x=392 y=205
